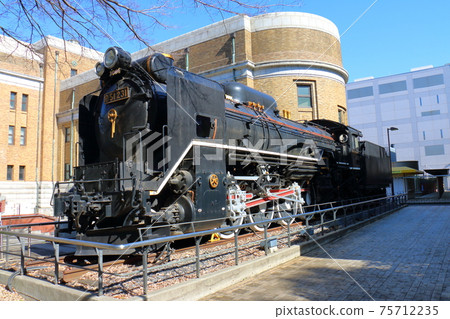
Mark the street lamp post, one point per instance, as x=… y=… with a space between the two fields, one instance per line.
x=390 y=160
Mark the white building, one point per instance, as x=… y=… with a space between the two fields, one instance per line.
x=417 y=103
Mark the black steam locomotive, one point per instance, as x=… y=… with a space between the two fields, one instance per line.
x=169 y=151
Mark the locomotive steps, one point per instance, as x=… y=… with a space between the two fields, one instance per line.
x=195 y=289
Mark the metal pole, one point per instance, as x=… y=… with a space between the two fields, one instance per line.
x=100 y=271
x=56 y=247
x=197 y=256
x=289 y=234
x=266 y=250
x=145 y=269
x=236 y=248
x=22 y=256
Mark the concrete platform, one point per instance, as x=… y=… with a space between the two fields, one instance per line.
x=404 y=256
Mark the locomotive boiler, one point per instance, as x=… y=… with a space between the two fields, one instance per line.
x=166 y=151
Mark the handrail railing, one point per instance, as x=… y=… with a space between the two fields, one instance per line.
x=391 y=202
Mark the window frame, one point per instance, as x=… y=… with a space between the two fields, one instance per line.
x=11 y=106
x=22 y=173
x=304 y=96
x=23 y=135
x=313 y=97
x=67 y=135
x=9 y=172
x=11 y=134
x=26 y=98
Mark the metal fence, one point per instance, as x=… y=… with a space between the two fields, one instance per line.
x=314 y=218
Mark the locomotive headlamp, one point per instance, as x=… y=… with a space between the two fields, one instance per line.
x=115 y=58
x=99 y=69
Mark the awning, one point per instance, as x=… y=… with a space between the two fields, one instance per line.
x=404 y=171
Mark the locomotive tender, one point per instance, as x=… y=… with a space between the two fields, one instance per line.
x=169 y=151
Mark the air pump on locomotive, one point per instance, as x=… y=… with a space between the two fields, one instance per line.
x=169 y=151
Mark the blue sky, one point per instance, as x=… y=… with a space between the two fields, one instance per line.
x=392 y=37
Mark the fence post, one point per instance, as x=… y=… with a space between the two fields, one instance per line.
x=145 y=269
x=289 y=233
x=236 y=248
x=22 y=256
x=56 y=248
x=197 y=256
x=266 y=249
x=100 y=271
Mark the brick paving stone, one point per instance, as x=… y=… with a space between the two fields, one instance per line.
x=404 y=256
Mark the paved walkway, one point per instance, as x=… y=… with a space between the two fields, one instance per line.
x=405 y=256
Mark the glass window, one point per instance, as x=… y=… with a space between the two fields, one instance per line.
x=434 y=150
x=9 y=172
x=11 y=135
x=67 y=134
x=431 y=113
x=24 y=102
x=392 y=87
x=361 y=92
x=21 y=173
x=304 y=96
x=73 y=72
x=428 y=81
x=23 y=135
x=341 y=114
x=66 y=171
x=12 y=100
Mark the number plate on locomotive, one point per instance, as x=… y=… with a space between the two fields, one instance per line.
x=117 y=95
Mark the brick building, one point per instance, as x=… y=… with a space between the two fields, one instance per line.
x=295 y=57
x=30 y=91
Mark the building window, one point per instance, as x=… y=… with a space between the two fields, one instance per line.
x=428 y=81
x=73 y=72
x=433 y=150
x=23 y=136
x=67 y=134
x=12 y=101
x=431 y=113
x=24 y=102
x=392 y=87
x=424 y=137
x=21 y=173
x=341 y=114
x=11 y=135
x=304 y=96
x=67 y=171
x=359 y=93
x=442 y=133
x=9 y=172
x=437 y=99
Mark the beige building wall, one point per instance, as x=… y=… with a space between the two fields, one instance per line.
x=33 y=154
x=272 y=53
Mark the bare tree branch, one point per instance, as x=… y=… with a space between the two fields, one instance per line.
x=90 y=21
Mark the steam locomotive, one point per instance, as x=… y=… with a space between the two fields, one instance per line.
x=169 y=151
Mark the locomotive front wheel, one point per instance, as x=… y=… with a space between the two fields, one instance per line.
x=232 y=221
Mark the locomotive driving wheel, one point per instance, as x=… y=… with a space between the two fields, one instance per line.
x=263 y=212
x=291 y=205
